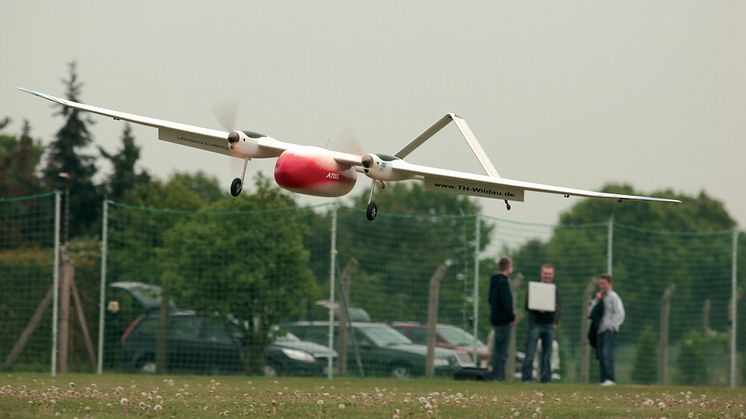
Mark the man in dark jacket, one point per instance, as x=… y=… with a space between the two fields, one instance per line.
x=541 y=326
x=502 y=316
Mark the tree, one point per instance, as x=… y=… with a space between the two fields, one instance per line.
x=124 y=177
x=19 y=158
x=645 y=369
x=692 y=360
x=137 y=233
x=246 y=264
x=70 y=170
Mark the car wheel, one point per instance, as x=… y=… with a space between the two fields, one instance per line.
x=270 y=370
x=148 y=366
x=401 y=371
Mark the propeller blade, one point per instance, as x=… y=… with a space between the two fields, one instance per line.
x=226 y=112
x=348 y=142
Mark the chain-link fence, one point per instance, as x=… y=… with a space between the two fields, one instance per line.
x=29 y=230
x=322 y=291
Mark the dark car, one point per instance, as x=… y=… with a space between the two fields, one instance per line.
x=382 y=350
x=204 y=345
x=145 y=298
x=446 y=336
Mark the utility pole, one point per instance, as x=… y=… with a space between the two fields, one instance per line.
x=332 y=270
x=475 y=313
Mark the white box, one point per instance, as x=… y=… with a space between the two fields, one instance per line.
x=541 y=296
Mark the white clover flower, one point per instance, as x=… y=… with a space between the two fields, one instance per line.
x=157 y=408
x=341 y=406
x=123 y=401
x=320 y=402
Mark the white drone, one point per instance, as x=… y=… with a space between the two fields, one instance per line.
x=321 y=172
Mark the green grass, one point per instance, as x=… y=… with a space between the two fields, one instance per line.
x=119 y=395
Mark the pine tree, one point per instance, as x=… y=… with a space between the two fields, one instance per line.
x=645 y=369
x=68 y=169
x=124 y=176
x=19 y=158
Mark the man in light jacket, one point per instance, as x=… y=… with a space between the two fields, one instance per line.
x=612 y=319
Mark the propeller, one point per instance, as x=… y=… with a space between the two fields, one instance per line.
x=349 y=143
x=226 y=112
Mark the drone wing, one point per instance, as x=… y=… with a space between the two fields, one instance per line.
x=461 y=183
x=188 y=135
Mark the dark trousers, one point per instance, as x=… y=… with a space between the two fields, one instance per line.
x=545 y=332
x=500 y=351
x=605 y=343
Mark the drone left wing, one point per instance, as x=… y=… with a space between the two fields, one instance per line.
x=188 y=135
x=441 y=180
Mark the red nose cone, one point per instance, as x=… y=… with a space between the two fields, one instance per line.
x=313 y=171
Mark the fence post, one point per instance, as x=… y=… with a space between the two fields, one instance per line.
x=344 y=319
x=332 y=270
x=610 y=245
x=515 y=284
x=663 y=336
x=733 y=309
x=102 y=294
x=432 y=317
x=475 y=313
x=55 y=279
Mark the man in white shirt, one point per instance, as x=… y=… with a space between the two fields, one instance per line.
x=612 y=319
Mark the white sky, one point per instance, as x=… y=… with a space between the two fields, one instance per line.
x=572 y=93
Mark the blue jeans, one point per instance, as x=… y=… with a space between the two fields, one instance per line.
x=500 y=351
x=605 y=343
x=545 y=332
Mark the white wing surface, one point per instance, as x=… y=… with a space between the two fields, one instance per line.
x=461 y=183
x=189 y=135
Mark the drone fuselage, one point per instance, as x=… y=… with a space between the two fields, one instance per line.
x=313 y=171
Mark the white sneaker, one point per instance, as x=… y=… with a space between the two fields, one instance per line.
x=607 y=383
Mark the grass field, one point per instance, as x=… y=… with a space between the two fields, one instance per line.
x=114 y=395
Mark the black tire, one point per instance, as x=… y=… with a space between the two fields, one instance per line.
x=147 y=365
x=400 y=370
x=236 y=187
x=271 y=370
x=371 y=211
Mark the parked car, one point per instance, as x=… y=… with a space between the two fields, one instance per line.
x=382 y=350
x=203 y=345
x=126 y=301
x=145 y=298
x=356 y=314
x=446 y=336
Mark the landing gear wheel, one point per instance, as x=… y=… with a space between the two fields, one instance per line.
x=371 y=211
x=236 y=187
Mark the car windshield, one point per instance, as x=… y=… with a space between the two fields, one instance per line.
x=457 y=336
x=384 y=336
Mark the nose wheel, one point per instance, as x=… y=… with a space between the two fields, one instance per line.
x=236 y=187
x=371 y=211
x=237 y=184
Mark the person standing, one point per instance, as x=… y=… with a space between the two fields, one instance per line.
x=541 y=326
x=502 y=316
x=613 y=317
